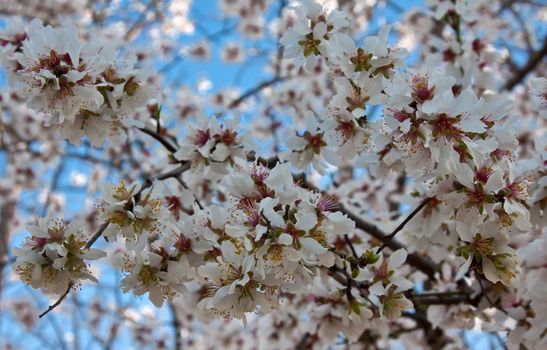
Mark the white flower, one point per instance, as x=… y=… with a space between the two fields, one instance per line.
x=160 y=273
x=385 y=275
x=232 y=288
x=213 y=145
x=133 y=217
x=309 y=148
x=53 y=257
x=489 y=249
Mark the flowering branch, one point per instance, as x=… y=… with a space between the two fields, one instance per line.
x=422 y=263
x=173 y=173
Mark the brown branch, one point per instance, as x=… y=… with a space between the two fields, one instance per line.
x=166 y=144
x=350 y=244
x=442 y=298
x=534 y=60
x=7 y=211
x=402 y=224
x=255 y=90
x=303 y=342
x=96 y=236
x=436 y=338
x=522 y=25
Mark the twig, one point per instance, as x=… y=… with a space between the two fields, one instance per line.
x=422 y=263
x=166 y=144
x=522 y=25
x=402 y=224
x=175 y=322
x=484 y=292
x=348 y=242
x=96 y=236
x=253 y=91
x=302 y=344
x=58 y=302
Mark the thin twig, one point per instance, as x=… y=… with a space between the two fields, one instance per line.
x=424 y=264
x=348 y=242
x=402 y=224
x=58 y=302
x=255 y=90
x=175 y=322
x=96 y=236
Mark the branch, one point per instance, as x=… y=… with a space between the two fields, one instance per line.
x=175 y=322
x=441 y=298
x=96 y=236
x=534 y=60
x=7 y=211
x=254 y=91
x=166 y=144
x=402 y=224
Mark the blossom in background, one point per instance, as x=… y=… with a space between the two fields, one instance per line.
x=538 y=93
x=312 y=34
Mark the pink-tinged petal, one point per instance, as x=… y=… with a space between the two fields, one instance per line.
x=156 y=296
x=465 y=176
x=401 y=283
x=327 y=259
x=464 y=268
x=320 y=30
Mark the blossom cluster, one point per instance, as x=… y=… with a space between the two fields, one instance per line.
x=80 y=87
x=54 y=257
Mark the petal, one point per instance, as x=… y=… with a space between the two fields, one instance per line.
x=320 y=30
x=489 y=270
x=397 y=258
x=312 y=246
x=306 y=222
x=156 y=296
x=285 y=239
x=377 y=288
